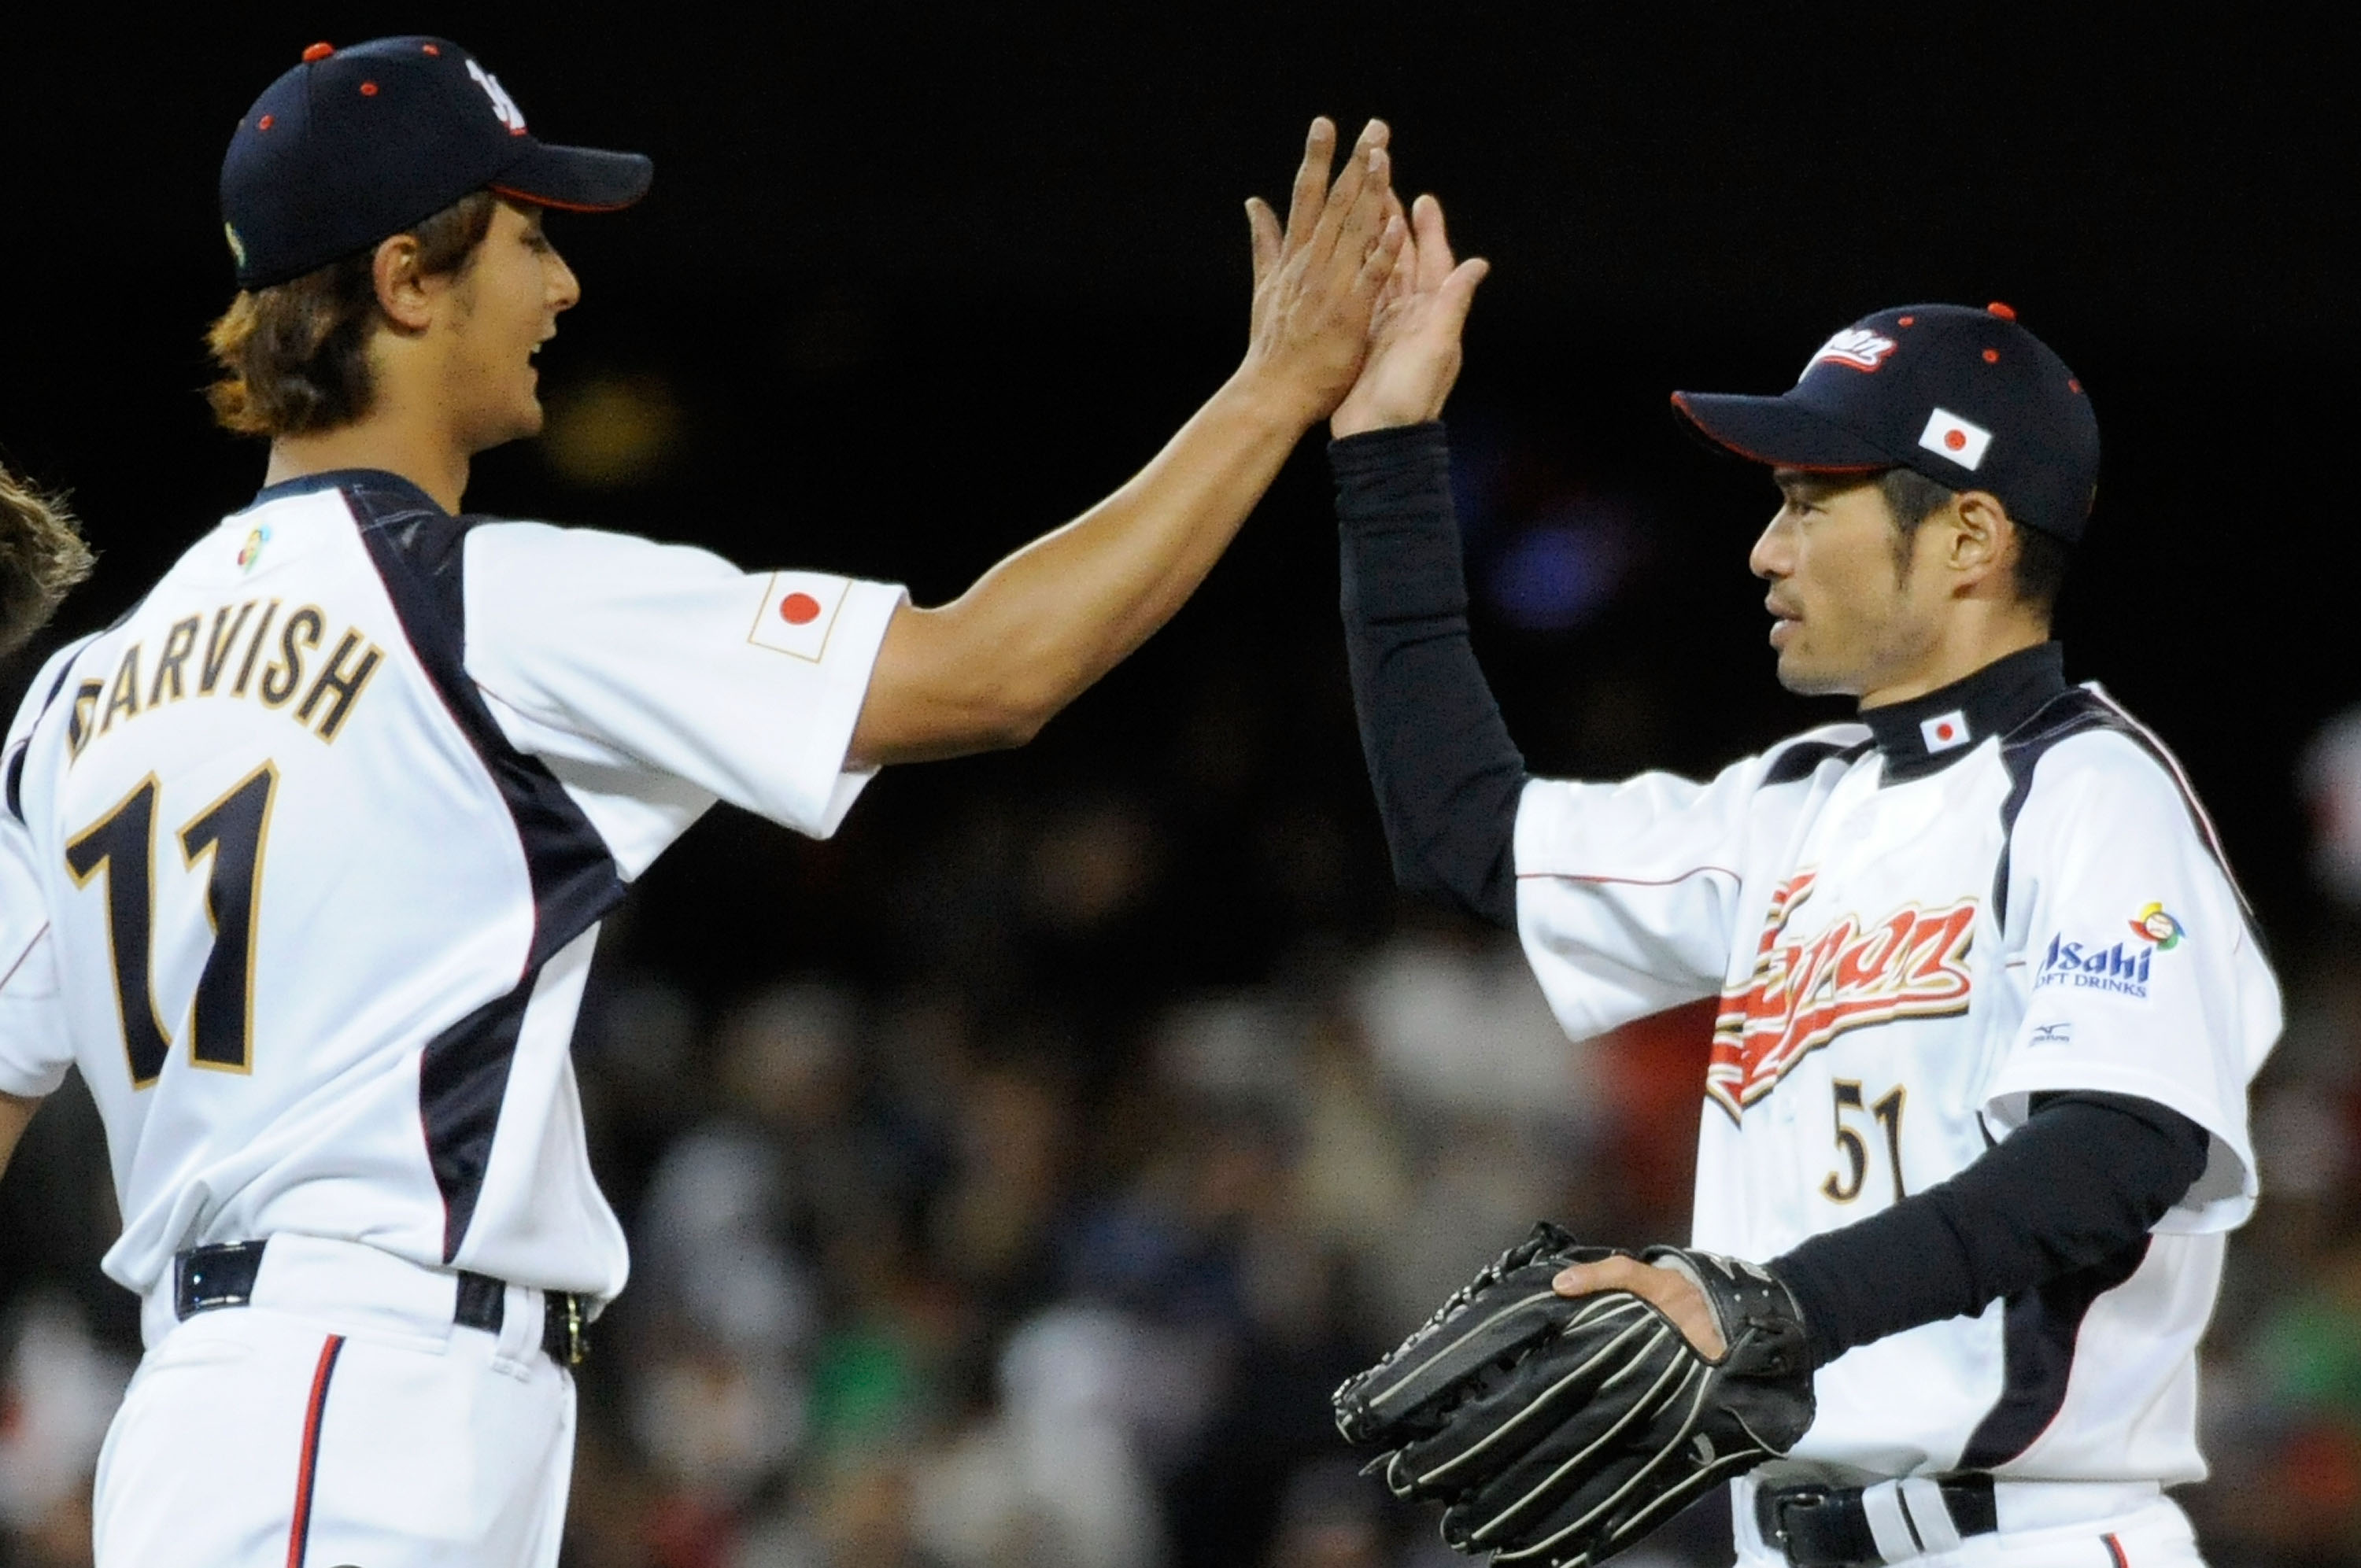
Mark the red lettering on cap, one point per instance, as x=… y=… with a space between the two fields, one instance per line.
x=1992 y=355
x=318 y=52
x=1954 y=439
x=368 y=89
x=799 y=610
x=2004 y=312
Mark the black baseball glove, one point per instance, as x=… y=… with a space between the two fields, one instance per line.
x=1558 y=1430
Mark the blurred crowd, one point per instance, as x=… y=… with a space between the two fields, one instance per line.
x=957 y=1264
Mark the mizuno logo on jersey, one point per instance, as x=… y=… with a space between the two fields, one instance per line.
x=1804 y=992
x=1856 y=346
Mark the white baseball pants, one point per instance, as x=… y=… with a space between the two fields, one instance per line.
x=340 y=1419
x=2043 y=1525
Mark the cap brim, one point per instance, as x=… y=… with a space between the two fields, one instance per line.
x=1779 y=431
x=576 y=179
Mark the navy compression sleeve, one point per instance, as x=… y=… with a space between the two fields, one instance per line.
x=1448 y=776
x=2080 y=1183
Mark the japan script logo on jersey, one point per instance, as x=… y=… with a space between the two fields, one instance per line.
x=798 y=612
x=1853 y=974
x=1856 y=346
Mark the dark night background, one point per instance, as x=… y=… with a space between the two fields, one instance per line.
x=916 y=282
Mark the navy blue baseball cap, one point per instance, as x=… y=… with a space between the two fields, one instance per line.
x=1967 y=398
x=356 y=144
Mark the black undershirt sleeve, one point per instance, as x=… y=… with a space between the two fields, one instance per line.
x=1448 y=776
x=2085 y=1178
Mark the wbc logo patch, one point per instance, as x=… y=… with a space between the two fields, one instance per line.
x=1855 y=973
x=799 y=611
x=1962 y=441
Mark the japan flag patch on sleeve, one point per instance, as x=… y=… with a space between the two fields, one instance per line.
x=1962 y=441
x=797 y=611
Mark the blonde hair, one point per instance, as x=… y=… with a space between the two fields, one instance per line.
x=42 y=557
x=294 y=357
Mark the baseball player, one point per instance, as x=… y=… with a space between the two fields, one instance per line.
x=319 y=835
x=42 y=556
x=1990 y=998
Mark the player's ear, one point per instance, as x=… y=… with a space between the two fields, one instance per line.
x=1982 y=535
x=401 y=291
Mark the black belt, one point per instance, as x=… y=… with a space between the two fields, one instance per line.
x=207 y=1279
x=1827 y=1527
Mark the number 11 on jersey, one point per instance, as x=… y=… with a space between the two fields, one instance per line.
x=231 y=831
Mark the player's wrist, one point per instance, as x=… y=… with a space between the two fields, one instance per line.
x=1270 y=394
x=1353 y=418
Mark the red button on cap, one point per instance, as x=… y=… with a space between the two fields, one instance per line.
x=2004 y=312
x=318 y=51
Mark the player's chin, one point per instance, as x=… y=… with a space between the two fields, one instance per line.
x=1806 y=677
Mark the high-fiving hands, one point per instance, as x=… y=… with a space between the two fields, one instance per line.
x=1413 y=355
x=1317 y=285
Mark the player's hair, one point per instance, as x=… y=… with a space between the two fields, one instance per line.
x=2042 y=559
x=41 y=556
x=294 y=357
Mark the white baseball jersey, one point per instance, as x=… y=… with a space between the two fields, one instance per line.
x=306 y=856
x=1915 y=925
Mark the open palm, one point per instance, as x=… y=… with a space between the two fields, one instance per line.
x=1413 y=355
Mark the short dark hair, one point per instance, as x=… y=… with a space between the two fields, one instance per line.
x=294 y=357
x=2042 y=559
x=41 y=556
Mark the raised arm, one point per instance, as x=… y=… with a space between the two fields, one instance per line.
x=990 y=668
x=1446 y=775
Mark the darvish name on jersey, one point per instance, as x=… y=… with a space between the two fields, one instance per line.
x=231 y=664
x=1909 y=942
